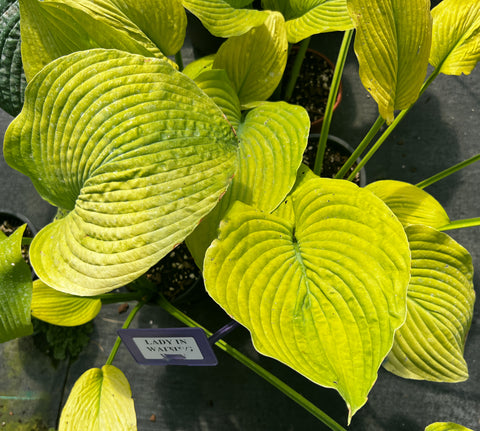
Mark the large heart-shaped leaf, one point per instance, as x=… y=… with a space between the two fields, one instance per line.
x=225 y=18
x=325 y=293
x=54 y=28
x=15 y=288
x=305 y=19
x=392 y=45
x=58 y=308
x=101 y=399
x=410 y=204
x=272 y=139
x=446 y=426
x=133 y=149
x=439 y=310
x=456 y=36
x=255 y=61
x=12 y=78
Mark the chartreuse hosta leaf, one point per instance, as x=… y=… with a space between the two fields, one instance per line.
x=272 y=139
x=439 y=310
x=306 y=18
x=392 y=43
x=198 y=66
x=446 y=426
x=15 y=288
x=54 y=28
x=410 y=204
x=133 y=149
x=256 y=60
x=323 y=292
x=456 y=36
x=58 y=308
x=101 y=399
x=12 y=78
x=225 y=18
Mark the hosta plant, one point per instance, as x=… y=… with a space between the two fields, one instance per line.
x=331 y=279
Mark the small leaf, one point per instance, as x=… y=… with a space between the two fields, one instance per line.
x=456 y=36
x=61 y=309
x=224 y=18
x=133 y=149
x=196 y=67
x=440 y=302
x=255 y=61
x=446 y=426
x=15 y=288
x=323 y=294
x=12 y=78
x=392 y=44
x=410 y=204
x=101 y=399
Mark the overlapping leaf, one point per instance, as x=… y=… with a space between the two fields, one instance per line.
x=101 y=399
x=54 y=28
x=58 y=308
x=272 y=139
x=255 y=61
x=410 y=204
x=133 y=149
x=439 y=310
x=15 y=288
x=225 y=18
x=325 y=293
x=392 y=43
x=456 y=36
x=446 y=426
x=12 y=78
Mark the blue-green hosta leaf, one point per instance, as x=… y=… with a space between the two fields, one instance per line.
x=446 y=426
x=54 y=28
x=410 y=204
x=456 y=36
x=101 y=399
x=323 y=294
x=133 y=149
x=392 y=44
x=62 y=309
x=272 y=140
x=12 y=78
x=224 y=18
x=15 y=288
x=306 y=18
x=216 y=84
x=255 y=61
x=439 y=310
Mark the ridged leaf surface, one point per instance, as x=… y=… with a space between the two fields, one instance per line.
x=456 y=36
x=324 y=292
x=439 y=310
x=392 y=44
x=133 y=149
x=101 y=399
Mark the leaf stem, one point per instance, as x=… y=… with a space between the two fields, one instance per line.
x=447 y=172
x=332 y=97
x=459 y=224
x=262 y=372
x=127 y=323
x=113 y=298
x=297 y=65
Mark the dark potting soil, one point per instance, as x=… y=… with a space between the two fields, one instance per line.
x=313 y=84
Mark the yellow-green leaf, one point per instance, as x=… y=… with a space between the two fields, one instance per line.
x=325 y=293
x=62 y=309
x=410 y=204
x=392 y=44
x=255 y=61
x=440 y=302
x=446 y=426
x=456 y=36
x=101 y=400
x=198 y=66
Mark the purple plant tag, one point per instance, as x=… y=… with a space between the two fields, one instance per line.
x=169 y=346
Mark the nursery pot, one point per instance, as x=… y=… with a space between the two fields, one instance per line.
x=10 y=220
x=313 y=85
x=336 y=154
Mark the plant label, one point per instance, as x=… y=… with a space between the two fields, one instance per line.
x=169 y=346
